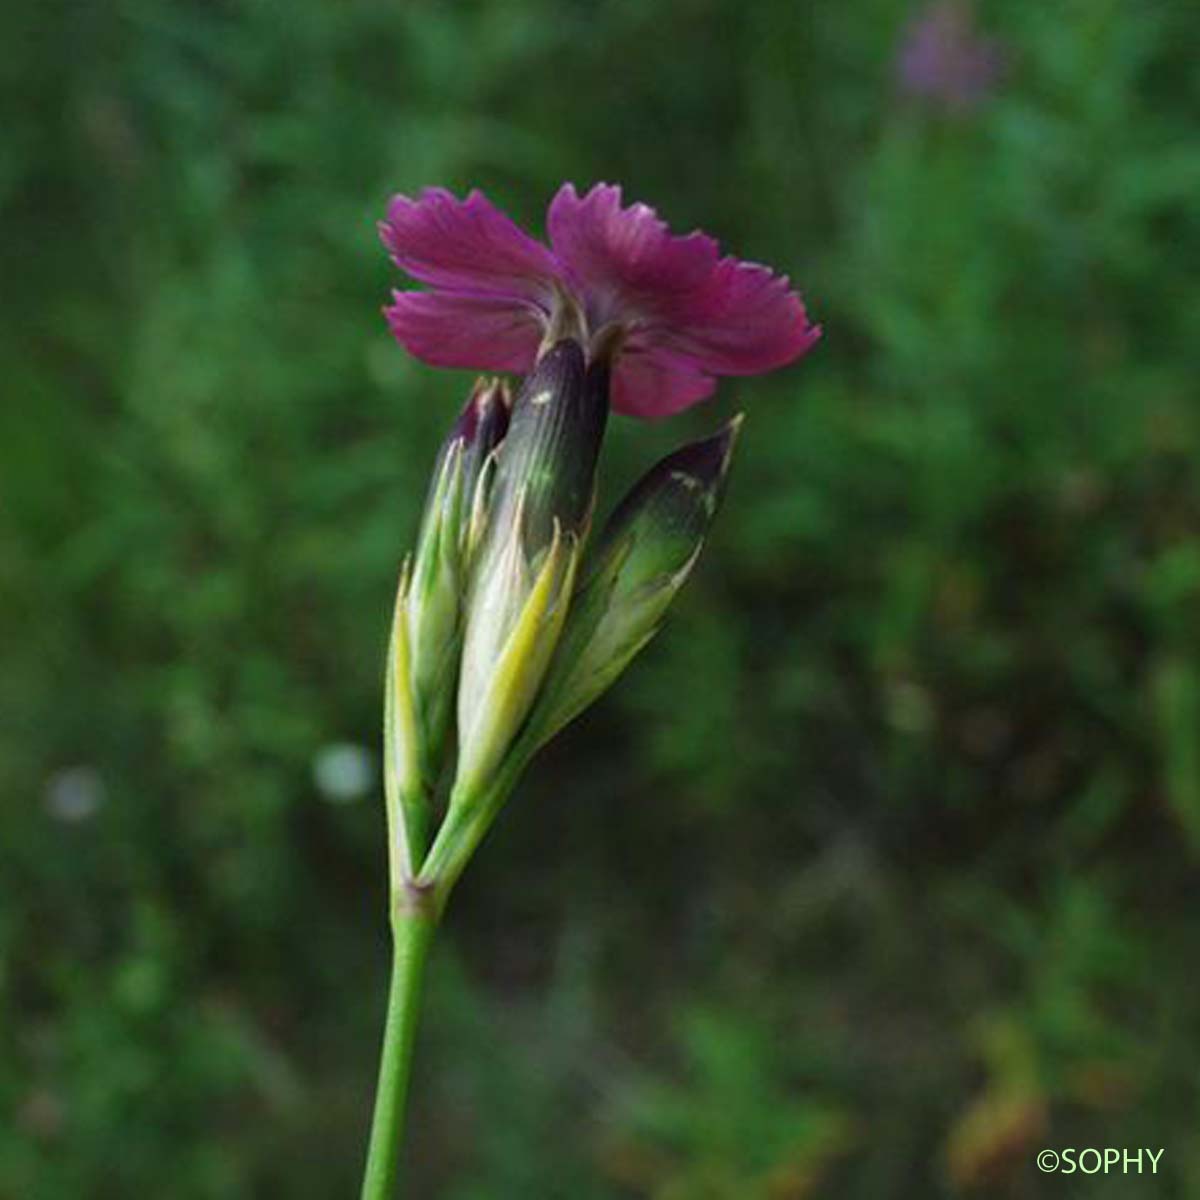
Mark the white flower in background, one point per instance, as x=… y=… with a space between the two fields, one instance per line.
x=74 y=794
x=343 y=772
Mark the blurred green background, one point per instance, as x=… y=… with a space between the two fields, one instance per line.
x=875 y=875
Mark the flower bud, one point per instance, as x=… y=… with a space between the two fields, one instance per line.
x=457 y=497
x=645 y=553
x=523 y=577
x=548 y=465
x=427 y=626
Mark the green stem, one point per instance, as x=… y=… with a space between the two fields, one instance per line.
x=412 y=936
x=416 y=906
x=468 y=818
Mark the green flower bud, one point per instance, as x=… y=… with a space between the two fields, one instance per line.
x=426 y=632
x=454 y=508
x=523 y=577
x=645 y=553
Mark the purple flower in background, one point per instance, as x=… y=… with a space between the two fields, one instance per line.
x=670 y=312
x=943 y=57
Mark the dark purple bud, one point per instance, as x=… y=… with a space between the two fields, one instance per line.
x=665 y=516
x=643 y=557
x=482 y=425
x=546 y=468
x=480 y=428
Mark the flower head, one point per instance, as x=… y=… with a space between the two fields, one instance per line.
x=945 y=59
x=670 y=313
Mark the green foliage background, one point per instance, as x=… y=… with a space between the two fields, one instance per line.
x=875 y=875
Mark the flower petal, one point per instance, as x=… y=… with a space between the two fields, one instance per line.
x=656 y=382
x=466 y=245
x=485 y=333
x=746 y=321
x=624 y=261
x=681 y=313
x=690 y=314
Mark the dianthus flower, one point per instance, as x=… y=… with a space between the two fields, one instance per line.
x=670 y=313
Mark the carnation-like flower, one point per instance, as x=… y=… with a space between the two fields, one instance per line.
x=508 y=622
x=944 y=58
x=671 y=313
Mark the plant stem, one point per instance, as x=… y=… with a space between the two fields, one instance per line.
x=412 y=936
x=463 y=828
x=416 y=906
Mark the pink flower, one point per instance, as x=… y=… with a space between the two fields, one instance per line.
x=943 y=57
x=671 y=312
